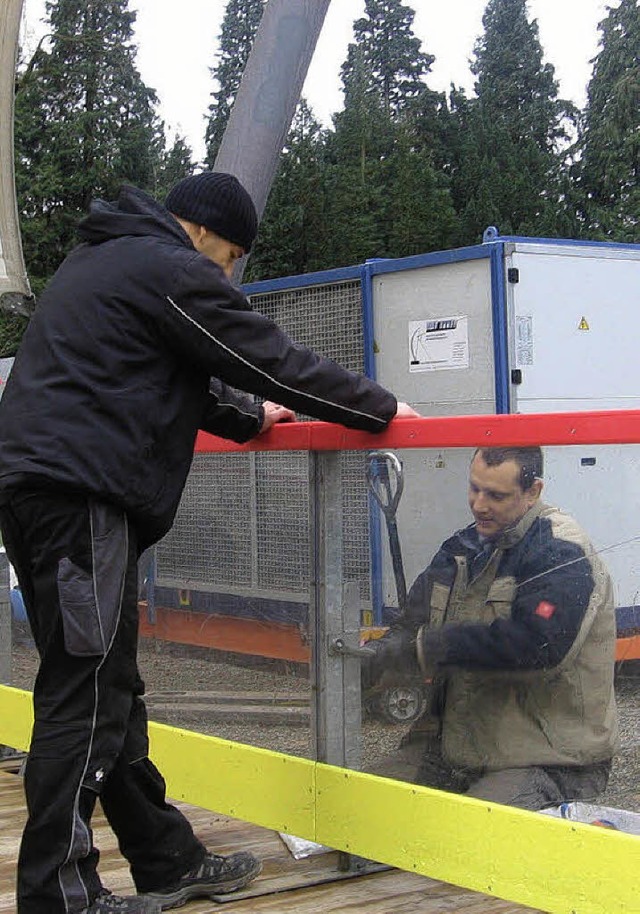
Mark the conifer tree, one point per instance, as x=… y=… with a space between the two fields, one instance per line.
x=417 y=211
x=292 y=230
x=609 y=171
x=355 y=149
x=386 y=198
x=85 y=122
x=177 y=163
x=507 y=167
x=390 y=53
x=363 y=130
x=239 y=27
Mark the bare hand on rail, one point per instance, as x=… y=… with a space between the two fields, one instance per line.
x=273 y=413
x=405 y=411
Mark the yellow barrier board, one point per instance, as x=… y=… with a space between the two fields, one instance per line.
x=16 y=718
x=256 y=785
x=549 y=864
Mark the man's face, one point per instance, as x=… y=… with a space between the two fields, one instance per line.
x=496 y=498
x=219 y=250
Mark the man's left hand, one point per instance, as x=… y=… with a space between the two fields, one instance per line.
x=273 y=413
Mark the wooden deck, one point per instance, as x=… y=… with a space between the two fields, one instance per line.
x=309 y=886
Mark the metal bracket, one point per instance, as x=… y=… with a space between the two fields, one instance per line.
x=339 y=647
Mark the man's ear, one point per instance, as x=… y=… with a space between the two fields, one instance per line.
x=195 y=232
x=198 y=236
x=535 y=490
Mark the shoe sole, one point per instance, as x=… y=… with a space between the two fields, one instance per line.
x=188 y=893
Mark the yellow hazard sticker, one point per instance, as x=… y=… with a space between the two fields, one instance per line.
x=584 y=324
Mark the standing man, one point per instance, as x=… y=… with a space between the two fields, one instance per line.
x=513 y=622
x=97 y=427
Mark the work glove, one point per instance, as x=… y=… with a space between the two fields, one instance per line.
x=396 y=651
x=431 y=649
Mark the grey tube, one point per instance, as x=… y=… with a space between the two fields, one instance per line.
x=15 y=294
x=268 y=95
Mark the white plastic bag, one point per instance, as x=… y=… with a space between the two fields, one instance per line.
x=592 y=814
x=301 y=848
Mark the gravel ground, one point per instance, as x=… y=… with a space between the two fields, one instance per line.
x=170 y=671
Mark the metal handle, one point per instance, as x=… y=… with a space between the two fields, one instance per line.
x=378 y=475
x=381 y=461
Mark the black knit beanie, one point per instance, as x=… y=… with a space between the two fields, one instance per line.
x=219 y=202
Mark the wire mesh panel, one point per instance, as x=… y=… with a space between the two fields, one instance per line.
x=328 y=318
x=355 y=524
x=211 y=542
x=282 y=486
x=282 y=523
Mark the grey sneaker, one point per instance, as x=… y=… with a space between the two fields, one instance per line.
x=108 y=903
x=216 y=875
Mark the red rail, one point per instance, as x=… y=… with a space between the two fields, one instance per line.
x=601 y=427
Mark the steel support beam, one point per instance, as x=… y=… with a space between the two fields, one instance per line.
x=15 y=294
x=335 y=623
x=5 y=621
x=269 y=94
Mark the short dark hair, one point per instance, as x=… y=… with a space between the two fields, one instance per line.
x=529 y=459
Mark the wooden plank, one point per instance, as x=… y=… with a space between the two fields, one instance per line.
x=312 y=885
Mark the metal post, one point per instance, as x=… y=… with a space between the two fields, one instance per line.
x=269 y=94
x=5 y=621
x=5 y=634
x=15 y=295
x=335 y=624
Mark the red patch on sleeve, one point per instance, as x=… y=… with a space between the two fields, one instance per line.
x=545 y=609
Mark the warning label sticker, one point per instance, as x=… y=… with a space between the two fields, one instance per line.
x=438 y=343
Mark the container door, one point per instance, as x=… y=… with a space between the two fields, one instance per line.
x=574 y=346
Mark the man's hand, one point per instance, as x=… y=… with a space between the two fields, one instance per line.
x=273 y=413
x=405 y=411
x=395 y=651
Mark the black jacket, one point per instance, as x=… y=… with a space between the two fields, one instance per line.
x=112 y=379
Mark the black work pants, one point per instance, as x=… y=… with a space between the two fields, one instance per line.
x=76 y=562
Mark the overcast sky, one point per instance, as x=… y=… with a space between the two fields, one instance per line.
x=177 y=40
